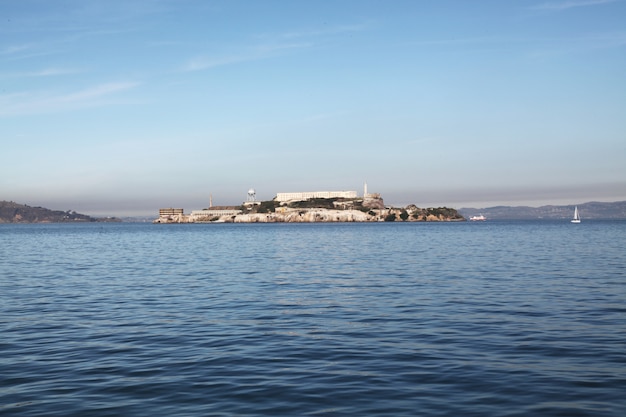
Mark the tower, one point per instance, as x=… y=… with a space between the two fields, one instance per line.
x=365 y=189
x=251 y=195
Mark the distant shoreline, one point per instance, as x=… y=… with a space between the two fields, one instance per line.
x=11 y=212
x=590 y=210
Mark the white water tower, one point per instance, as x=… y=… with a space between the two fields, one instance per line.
x=251 y=195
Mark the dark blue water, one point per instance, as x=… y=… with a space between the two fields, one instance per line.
x=455 y=319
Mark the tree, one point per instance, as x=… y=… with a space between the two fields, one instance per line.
x=267 y=207
x=391 y=217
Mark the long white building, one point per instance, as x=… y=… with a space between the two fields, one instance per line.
x=284 y=197
x=210 y=213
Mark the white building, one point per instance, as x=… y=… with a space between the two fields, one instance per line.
x=211 y=213
x=284 y=197
x=166 y=212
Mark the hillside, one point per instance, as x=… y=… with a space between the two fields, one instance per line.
x=11 y=212
x=592 y=210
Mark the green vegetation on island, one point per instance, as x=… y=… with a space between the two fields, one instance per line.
x=336 y=209
x=374 y=210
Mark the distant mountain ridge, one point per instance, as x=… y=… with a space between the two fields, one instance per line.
x=11 y=212
x=591 y=210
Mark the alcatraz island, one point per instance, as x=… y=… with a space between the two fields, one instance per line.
x=310 y=207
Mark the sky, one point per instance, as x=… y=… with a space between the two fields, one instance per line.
x=121 y=108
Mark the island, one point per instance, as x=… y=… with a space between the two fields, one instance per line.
x=311 y=207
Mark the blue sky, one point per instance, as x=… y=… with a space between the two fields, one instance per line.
x=119 y=108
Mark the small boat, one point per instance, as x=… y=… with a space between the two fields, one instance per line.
x=480 y=218
x=576 y=218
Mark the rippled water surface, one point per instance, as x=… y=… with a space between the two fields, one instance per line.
x=494 y=318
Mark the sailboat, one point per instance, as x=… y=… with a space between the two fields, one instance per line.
x=576 y=218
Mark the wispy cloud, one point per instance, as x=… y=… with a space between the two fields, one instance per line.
x=327 y=31
x=564 y=5
x=460 y=41
x=37 y=103
x=96 y=92
x=26 y=51
x=50 y=72
x=200 y=63
x=536 y=46
x=46 y=72
x=577 y=45
x=271 y=45
x=13 y=49
x=259 y=52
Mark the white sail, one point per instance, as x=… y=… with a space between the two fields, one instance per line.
x=576 y=218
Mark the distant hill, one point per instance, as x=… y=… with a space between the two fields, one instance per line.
x=591 y=210
x=11 y=212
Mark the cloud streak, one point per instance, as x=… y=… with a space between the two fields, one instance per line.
x=25 y=51
x=10 y=50
x=46 y=72
x=260 y=52
x=25 y=103
x=327 y=31
x=565 y=5
x=274 y=45
x=533 y=46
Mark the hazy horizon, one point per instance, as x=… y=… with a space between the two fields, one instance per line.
x=120 y=108
x=129 y=209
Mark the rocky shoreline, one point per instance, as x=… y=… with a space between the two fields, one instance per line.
x=286 y=214
x=328 y=216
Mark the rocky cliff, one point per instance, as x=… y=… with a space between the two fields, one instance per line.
x=303 y=216
x=326 y=216
x=267 y=212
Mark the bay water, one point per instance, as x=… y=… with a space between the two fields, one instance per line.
x=497 y=318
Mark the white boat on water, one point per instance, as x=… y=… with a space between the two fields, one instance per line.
x=480 y=218
x=576 y=218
